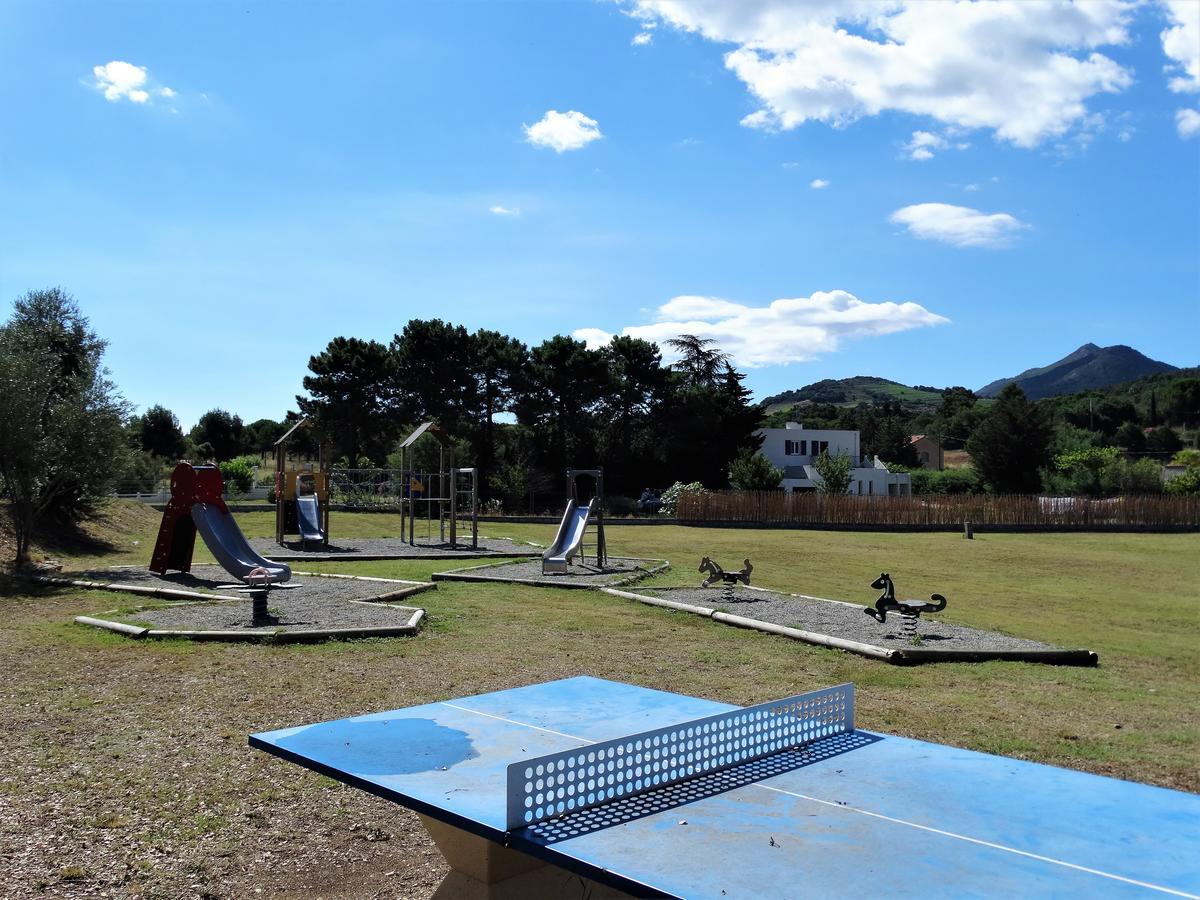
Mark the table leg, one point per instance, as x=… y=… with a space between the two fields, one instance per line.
x=484 y=870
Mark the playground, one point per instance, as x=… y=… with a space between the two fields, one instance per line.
x=595 y=601
x=141 y=780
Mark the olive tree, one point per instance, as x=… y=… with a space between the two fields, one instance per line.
x=62 y=444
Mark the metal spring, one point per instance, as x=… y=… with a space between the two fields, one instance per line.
x=909 y=624
x=727 y=593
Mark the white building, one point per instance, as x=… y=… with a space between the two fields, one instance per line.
x=794 y=448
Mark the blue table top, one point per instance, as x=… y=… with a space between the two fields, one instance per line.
x=856 y=813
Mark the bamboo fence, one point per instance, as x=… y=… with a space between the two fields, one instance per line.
x=1149 y=512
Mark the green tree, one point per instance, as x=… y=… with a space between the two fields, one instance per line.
x=436 y=374
x=157 y=432
x=1082 y=472
x=957 y=415
x=885 y=432
x=637 y=386
x=704 y=427
x=222 y=431
x=1141 y=477
x=499 y=365
x=752 y=471
x=261 y=435
x=566 y=383
x=1183 y=402
x=834 y=472
x=352 y=397
x=1163 y=440
x=1009 y=446
x=701 y=362
x=1131 y=437
x=62 y=444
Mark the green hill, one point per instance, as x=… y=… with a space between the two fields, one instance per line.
x=856 y=390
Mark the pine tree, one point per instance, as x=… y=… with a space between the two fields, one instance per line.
x=1010 y=446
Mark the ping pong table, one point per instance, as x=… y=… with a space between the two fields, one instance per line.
x=626 y=790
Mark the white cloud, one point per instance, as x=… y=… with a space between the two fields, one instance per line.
x=119 y=80
x=1022 y=69
x=1187 y=121
x=785 y=331
x=923 y=144
x=498 y=210
x=1181 y=44
x=642 y=38
x=957 y=225
x=818 y=183
x=563 y=131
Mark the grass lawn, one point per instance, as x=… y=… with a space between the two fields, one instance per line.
x=124 y=766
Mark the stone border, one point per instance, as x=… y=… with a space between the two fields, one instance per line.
x=292 y=556
x=275 y=635
x=272 y=636
x=126 y=588
x=460 y=575
x=896 y=656
x=414 y=587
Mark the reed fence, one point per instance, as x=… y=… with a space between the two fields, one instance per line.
x=940 y=512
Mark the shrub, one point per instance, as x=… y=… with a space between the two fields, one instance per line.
x=947 y=481
x=618 y=505
x=754 y=472
x=239 y=474
x=670 y=497
x=1187 y=483
x=1189 y=458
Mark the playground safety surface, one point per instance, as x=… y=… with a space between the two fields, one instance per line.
x=204 y=605
x=617 y=571
x=816 y=617
x=365 y=549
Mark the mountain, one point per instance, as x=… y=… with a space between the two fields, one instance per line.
x=852 y=391
x=1088 y=368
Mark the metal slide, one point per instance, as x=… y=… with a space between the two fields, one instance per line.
x=308 y=518
x=568 y=540
x=229 y=545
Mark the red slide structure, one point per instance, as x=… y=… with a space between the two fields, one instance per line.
x=197 y=505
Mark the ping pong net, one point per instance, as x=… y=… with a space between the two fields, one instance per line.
x=569 y=781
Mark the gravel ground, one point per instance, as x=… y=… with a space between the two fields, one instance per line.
x=615 y=572
x=357 y=548
x=842 y=620
x=313 y=603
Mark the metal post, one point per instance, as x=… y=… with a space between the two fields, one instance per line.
x=474 y=509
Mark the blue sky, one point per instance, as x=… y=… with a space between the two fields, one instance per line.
x=225 y=187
